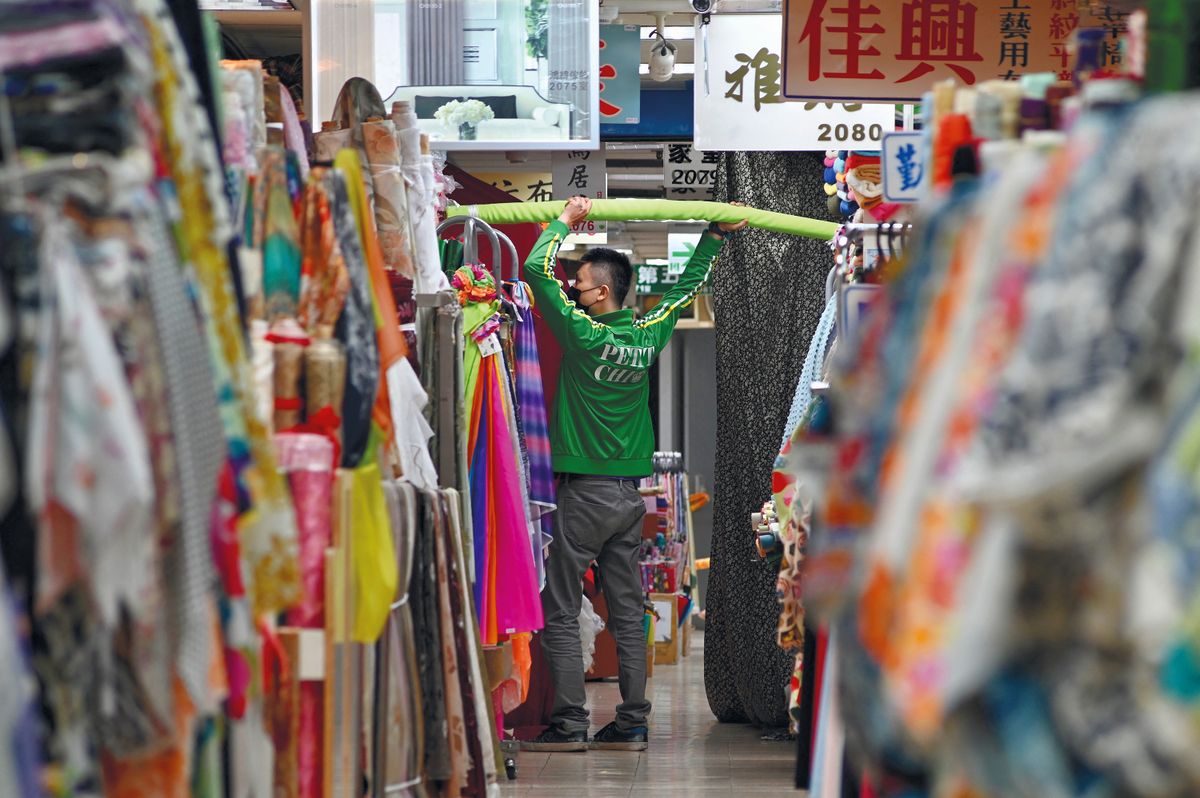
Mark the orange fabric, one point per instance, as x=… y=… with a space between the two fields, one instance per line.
x=953 y=131
x=522 y=661
x=162 y=775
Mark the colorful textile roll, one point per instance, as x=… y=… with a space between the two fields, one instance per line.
x=324 y=280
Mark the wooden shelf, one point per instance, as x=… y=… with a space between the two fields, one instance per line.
x=259 y=18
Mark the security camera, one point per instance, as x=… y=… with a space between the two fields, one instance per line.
x=662 y=60
x=702 y=6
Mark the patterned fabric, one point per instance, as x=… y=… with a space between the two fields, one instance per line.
x=276 y=235
x=531 y=403
x=355 y=329
x=424 y=597
x=88 y=469
x=768 y=296
x=325 y=280
x=196 y=184
x=199 y=450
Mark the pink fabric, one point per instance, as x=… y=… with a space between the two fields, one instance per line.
x=293 y=133
x=518 y=605
x=307 y=459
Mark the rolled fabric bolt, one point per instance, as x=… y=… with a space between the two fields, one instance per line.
x=325 y=377
x=422 y=219
x=289 y=364
x=332 y=139
x=653 y=210
x=391 y=197
x=1033 y=115
x=1056 y=95
x=262 y=359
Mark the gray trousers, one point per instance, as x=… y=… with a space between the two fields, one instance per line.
x=598 y=519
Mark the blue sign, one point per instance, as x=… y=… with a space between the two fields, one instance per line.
x=904 y=171
x=620 y=83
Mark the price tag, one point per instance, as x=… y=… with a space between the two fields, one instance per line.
x=489 y=346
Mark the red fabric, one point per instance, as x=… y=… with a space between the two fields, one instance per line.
x=954 y=131
x=819 y=676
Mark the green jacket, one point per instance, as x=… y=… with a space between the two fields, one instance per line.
x=601 y=422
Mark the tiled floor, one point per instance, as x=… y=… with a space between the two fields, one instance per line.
x=690 y=753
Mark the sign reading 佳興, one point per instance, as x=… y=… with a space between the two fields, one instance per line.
x=739 y=101
x=898 y=49
x=903 y=167
x=689 y=174
x=581 y=173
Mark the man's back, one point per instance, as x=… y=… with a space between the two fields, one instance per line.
x=601 y=423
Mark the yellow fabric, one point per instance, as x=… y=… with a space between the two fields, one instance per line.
x=373 y=558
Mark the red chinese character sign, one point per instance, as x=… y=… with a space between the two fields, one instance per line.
x=620 y=83
x=898 y=49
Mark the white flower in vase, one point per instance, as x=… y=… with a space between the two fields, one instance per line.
x=457 y=113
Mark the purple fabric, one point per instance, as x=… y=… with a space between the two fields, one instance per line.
x=531 y=405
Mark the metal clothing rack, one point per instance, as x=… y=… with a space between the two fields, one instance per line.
x=893 y=235
x=499 y=242
x=857 y=233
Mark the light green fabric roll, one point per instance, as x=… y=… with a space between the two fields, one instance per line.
x=651 y=210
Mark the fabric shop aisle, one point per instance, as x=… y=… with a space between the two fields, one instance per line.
x=690 y=752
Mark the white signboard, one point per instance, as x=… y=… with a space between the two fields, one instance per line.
x=581 y=173
x=903 y=167
x=688 y=173
x=739 y=102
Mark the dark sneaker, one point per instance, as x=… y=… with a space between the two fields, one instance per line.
x=610 y=738
x=557 y=741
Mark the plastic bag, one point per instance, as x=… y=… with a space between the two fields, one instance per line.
x=590 y=626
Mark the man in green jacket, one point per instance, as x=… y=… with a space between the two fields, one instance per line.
x=603 y=443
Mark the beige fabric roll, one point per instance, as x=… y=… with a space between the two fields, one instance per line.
x=289 y=365
x=325 y=376
x=391 y=197
x=329 y=142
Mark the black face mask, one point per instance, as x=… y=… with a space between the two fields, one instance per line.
x=574 y=294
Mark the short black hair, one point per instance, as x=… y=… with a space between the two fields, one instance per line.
x=613 y=269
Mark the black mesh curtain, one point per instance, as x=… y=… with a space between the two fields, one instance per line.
x=768 y=294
